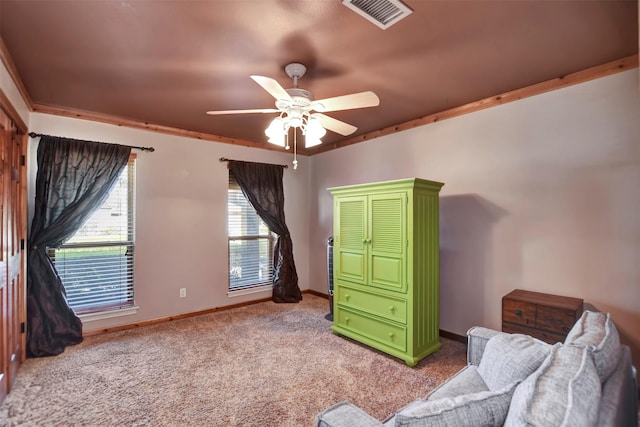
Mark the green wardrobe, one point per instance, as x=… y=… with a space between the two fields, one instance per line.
x=386 y=266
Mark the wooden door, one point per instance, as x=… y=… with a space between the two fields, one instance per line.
x=4 y=365
x=12 y=262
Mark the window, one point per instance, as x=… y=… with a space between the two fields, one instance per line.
x=96 y=264
x=250 y=243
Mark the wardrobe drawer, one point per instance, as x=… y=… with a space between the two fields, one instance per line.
x=390 y=308
x=390 y=335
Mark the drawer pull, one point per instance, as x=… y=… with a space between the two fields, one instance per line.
x=392 y=309
x=346 y=320
x=347 y=296
x=517 y=312
x=391 y=335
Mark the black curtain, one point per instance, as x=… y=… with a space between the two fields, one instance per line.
x=74 y=178
x=262 y=186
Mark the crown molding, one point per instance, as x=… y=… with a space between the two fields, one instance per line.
x=135 y=124
x=609 y=68
x=7 y=60
x=592 y=73
x=8 y=108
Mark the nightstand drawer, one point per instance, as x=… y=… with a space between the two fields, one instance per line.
x=518 y=312
x=391 y=308
x=555 y=319
x=385 y=333
x=545 y=336
x=544 y=316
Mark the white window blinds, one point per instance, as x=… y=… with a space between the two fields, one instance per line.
x=250 y=243
x=96 y=264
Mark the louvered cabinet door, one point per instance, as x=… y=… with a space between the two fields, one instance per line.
x=387 y=241
x=350 y=240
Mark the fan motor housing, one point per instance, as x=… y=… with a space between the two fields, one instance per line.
x=300 y=97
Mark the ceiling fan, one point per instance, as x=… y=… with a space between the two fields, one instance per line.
x=299 y=109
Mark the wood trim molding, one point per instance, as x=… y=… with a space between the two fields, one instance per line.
x=454 y=337
x=99 y=331
x=316 y=293
x=592 y=73
x=7 y=60
x=118 y=121
x=10 y=110
x=150 y=322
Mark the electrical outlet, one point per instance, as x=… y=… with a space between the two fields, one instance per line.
x=183 y=292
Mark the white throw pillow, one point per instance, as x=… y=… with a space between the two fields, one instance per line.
x=509 y=358
x=564 y=391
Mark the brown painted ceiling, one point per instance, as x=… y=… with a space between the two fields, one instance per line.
x=167 y=62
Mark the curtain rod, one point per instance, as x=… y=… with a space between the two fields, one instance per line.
x=224 y=159
x=35 y=135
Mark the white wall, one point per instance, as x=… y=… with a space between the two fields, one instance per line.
x=540 y=194
x=181 y=215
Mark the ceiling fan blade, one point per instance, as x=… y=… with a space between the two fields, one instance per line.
x=347 y=102
x=257 y=110
x=273 y=87
x=335 y=125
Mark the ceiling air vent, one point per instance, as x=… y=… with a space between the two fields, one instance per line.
x=383 y=13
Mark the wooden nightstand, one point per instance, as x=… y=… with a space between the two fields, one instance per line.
x=543 y=316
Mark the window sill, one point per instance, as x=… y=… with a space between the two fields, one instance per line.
x=90 y=317
x=249 y=291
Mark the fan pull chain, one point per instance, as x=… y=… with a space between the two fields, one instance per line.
x=295 y=149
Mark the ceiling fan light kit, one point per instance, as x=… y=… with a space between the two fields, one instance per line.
x=299 y=110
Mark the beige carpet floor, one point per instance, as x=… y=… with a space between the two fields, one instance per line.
x=260 y=365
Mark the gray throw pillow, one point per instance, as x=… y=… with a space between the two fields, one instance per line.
x=563 y=392
x=483 y=409
x=509 y=358
x=597 y=332
x=466 y=381
x=344 y=414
